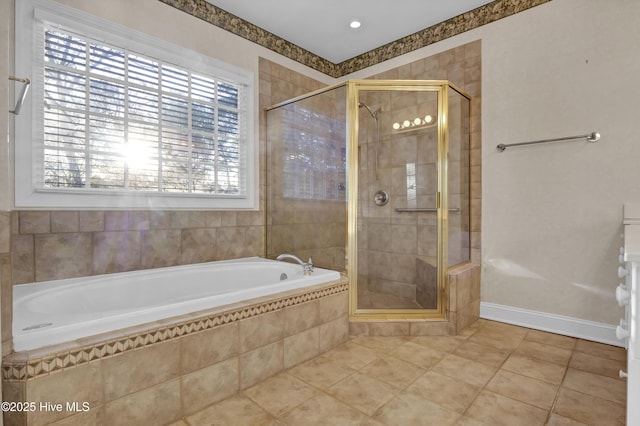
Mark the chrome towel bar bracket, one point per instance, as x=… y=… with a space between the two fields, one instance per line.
x=591 y=137
x=22 y=95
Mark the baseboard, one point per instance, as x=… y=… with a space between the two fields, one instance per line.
x=568 y=326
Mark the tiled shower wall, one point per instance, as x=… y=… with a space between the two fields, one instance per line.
x=462 y=67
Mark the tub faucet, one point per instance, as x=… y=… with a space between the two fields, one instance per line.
x=306 y=267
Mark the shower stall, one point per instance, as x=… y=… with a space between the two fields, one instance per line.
x=372 y=177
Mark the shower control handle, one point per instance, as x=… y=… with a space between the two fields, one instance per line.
x=381 y=198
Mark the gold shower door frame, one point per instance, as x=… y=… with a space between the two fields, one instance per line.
x=353 y=90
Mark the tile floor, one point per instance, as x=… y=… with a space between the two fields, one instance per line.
x=494 y=374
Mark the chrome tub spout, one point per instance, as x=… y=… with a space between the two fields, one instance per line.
x=307 y=266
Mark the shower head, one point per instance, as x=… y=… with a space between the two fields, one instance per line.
x=373 y=113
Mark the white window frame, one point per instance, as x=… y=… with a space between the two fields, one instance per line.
x=29 y=157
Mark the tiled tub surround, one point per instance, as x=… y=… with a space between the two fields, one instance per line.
x=158 y=373
x=50 y=245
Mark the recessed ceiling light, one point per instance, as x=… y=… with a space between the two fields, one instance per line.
x=355 y=24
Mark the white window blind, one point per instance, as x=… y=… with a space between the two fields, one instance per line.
x=113 y=117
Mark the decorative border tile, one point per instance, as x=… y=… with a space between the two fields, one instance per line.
x=478 y=17
x=23 y=369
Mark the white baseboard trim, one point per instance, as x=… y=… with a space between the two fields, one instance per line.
x=568 y=326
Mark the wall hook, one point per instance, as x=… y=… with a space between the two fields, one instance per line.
x=23 y=93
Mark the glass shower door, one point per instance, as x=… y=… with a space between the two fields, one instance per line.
x=400 y=131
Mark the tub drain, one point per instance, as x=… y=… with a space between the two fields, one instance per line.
x=37 y=326
x=283 y=276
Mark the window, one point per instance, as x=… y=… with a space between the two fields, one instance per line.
x=119 y=119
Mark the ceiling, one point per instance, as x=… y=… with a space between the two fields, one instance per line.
x=322 y=27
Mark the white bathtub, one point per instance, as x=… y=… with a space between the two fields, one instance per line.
x=50 y=312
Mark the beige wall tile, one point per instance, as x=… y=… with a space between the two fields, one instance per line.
x=388 y=328
x=159 y=219
x=463 y=289
x=334 y=333
x=160 y=248
x=429 y=328
x=198 y=245
x=261 y=330
x=14 y=392
x=83 y=383
x=301 y=317
x=301 y=347
x=468 y=316
x=209 y=347
x=255 y=218
x=452 y=292
x=91 y=221
x=65 y=221
x=116 y=251
x=209 y=385
x=35 y=222
x=260 y=364
x=135 y=370
x=156 y=405
x=117 y=220
x=5 y=232
x=62 y=255
x=22 y=259
x=196 y=219
x=6 y=303
x=230 y=242
x=334 y=306
x=213 y=219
